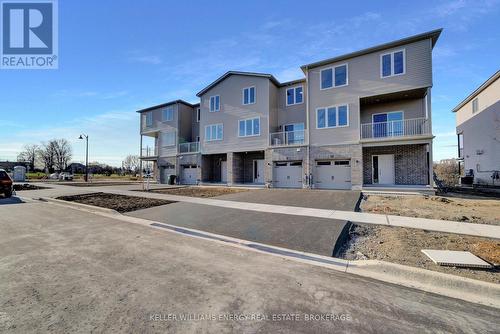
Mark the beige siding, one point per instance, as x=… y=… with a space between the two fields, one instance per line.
x=185 y=123
x=486 y=98
x=232 y=110
x=364 y=80
x=411 y=109
x=294 y=113
x=273 y=108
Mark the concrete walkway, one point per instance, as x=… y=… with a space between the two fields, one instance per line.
x=481 y=230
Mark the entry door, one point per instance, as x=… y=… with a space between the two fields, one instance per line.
x=223 y=171
x=383 y=168
x=258 y=171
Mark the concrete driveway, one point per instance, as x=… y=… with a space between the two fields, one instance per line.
x=314 y=235
x=67 y=271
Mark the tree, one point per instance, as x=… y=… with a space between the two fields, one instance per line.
x=131 y=164
x=47 y=156
x=62 y=153
x=29 y=154
x=447 y=170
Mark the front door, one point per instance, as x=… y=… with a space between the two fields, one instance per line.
x=258 y=171
x=383 y=169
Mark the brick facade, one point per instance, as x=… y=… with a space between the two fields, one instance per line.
x=410 y=163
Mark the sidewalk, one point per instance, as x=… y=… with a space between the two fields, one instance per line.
x=481 y=230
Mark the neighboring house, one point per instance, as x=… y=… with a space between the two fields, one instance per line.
x=361 y=119
x=75 y=168
x=478 y=131
x=176 y=150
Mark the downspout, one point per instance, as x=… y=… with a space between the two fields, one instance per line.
x=309 y=176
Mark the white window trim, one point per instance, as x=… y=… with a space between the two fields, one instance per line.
x=333 y=76
x=210 y=104
x=244 y=120
x=210 y=125
x=168 y=145
x=243 y=95
x=294 y=95
x=392 y=64
x=388 y=112
x=198 y=114
x=336 y=115
x=163 y=114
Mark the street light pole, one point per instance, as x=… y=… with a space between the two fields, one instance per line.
x=86 y=156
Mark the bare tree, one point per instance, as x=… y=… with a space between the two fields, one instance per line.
x=131 y=163
x=62 y=153
x=47 y=156
x=29 y=153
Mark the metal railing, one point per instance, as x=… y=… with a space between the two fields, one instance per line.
x=192 y=147
x=148 y=152
x=286 y=138
x=391 y=129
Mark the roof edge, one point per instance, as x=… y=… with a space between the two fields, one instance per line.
x=229 y=73
x=478 y=90
x=167 y=104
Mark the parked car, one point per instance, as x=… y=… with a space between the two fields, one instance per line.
x=65 y=177
x=5 y=183
x=54 y=176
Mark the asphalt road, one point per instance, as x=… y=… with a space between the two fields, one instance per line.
x=313 y=235
x=63 y=270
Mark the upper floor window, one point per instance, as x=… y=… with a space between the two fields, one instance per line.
x=149 y=118
x=214 y=103
x=168 y=138
x=214 y=132
x=294 y=96
x=460 y=145
x=198 y=114
x=392 y=63
x=249 y=95
x=332 y=117
x=168 y=114
x=334 y=77
x=475 y=105
x=249 y=127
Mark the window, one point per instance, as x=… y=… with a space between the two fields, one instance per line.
x=168 y=114
x=332 y=117
x=214 y=103
x=198 y=114
x=392 y=64
x=294 y=95
x=460 y=145
x=475 y=105
x=388 y=124
x=249 y=95
x=323 y=163
x=168 y=139
x=334 y=77
x=249 y=127
x=149 y=118
x=213 y=132
x=342 y=163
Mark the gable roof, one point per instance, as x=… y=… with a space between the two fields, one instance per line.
x=478 y=90
x=167 y=104
x=433 y=35
x=229 y=73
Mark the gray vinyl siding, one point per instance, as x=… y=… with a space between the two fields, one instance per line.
x=411 y=109
x=232 y=110
x=185 y=123
x=273 y=108
x=294 y=113
x=364 y=79
x=195 y=126
x=158 y=123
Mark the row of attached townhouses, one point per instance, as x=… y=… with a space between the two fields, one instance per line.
x=358 y=120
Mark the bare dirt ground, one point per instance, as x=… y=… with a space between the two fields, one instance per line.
x=27 y=186
x=470 y=210
x=404 y=245
x=97 y=184
x=199 y=191
x=120 y=203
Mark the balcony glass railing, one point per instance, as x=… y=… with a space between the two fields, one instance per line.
x=391 y=129
x=192 y=147
x=148 y=152
x=287 y=138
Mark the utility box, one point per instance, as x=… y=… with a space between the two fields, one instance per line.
x=19 y=174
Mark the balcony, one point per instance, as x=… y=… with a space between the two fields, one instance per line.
x=396 y=129
x=149 y=153
x=288 y=138
x=193 y=147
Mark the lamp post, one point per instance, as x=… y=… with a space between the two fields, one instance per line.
x=86 y=156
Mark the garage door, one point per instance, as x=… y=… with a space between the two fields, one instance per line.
x=287 y=174
x=165 y=174
x=189 y=174
x=333 y=174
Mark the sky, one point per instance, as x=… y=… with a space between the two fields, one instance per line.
x=116 y=57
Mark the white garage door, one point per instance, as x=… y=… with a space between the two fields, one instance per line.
x=333 y=174
x=189 y=174
x=287 y=174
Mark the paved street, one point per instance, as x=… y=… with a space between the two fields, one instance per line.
x=63 y=270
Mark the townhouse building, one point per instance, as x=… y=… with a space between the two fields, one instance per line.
x=478 y=132
x=358 y=120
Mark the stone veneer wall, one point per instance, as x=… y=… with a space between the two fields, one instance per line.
x=410 y=163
